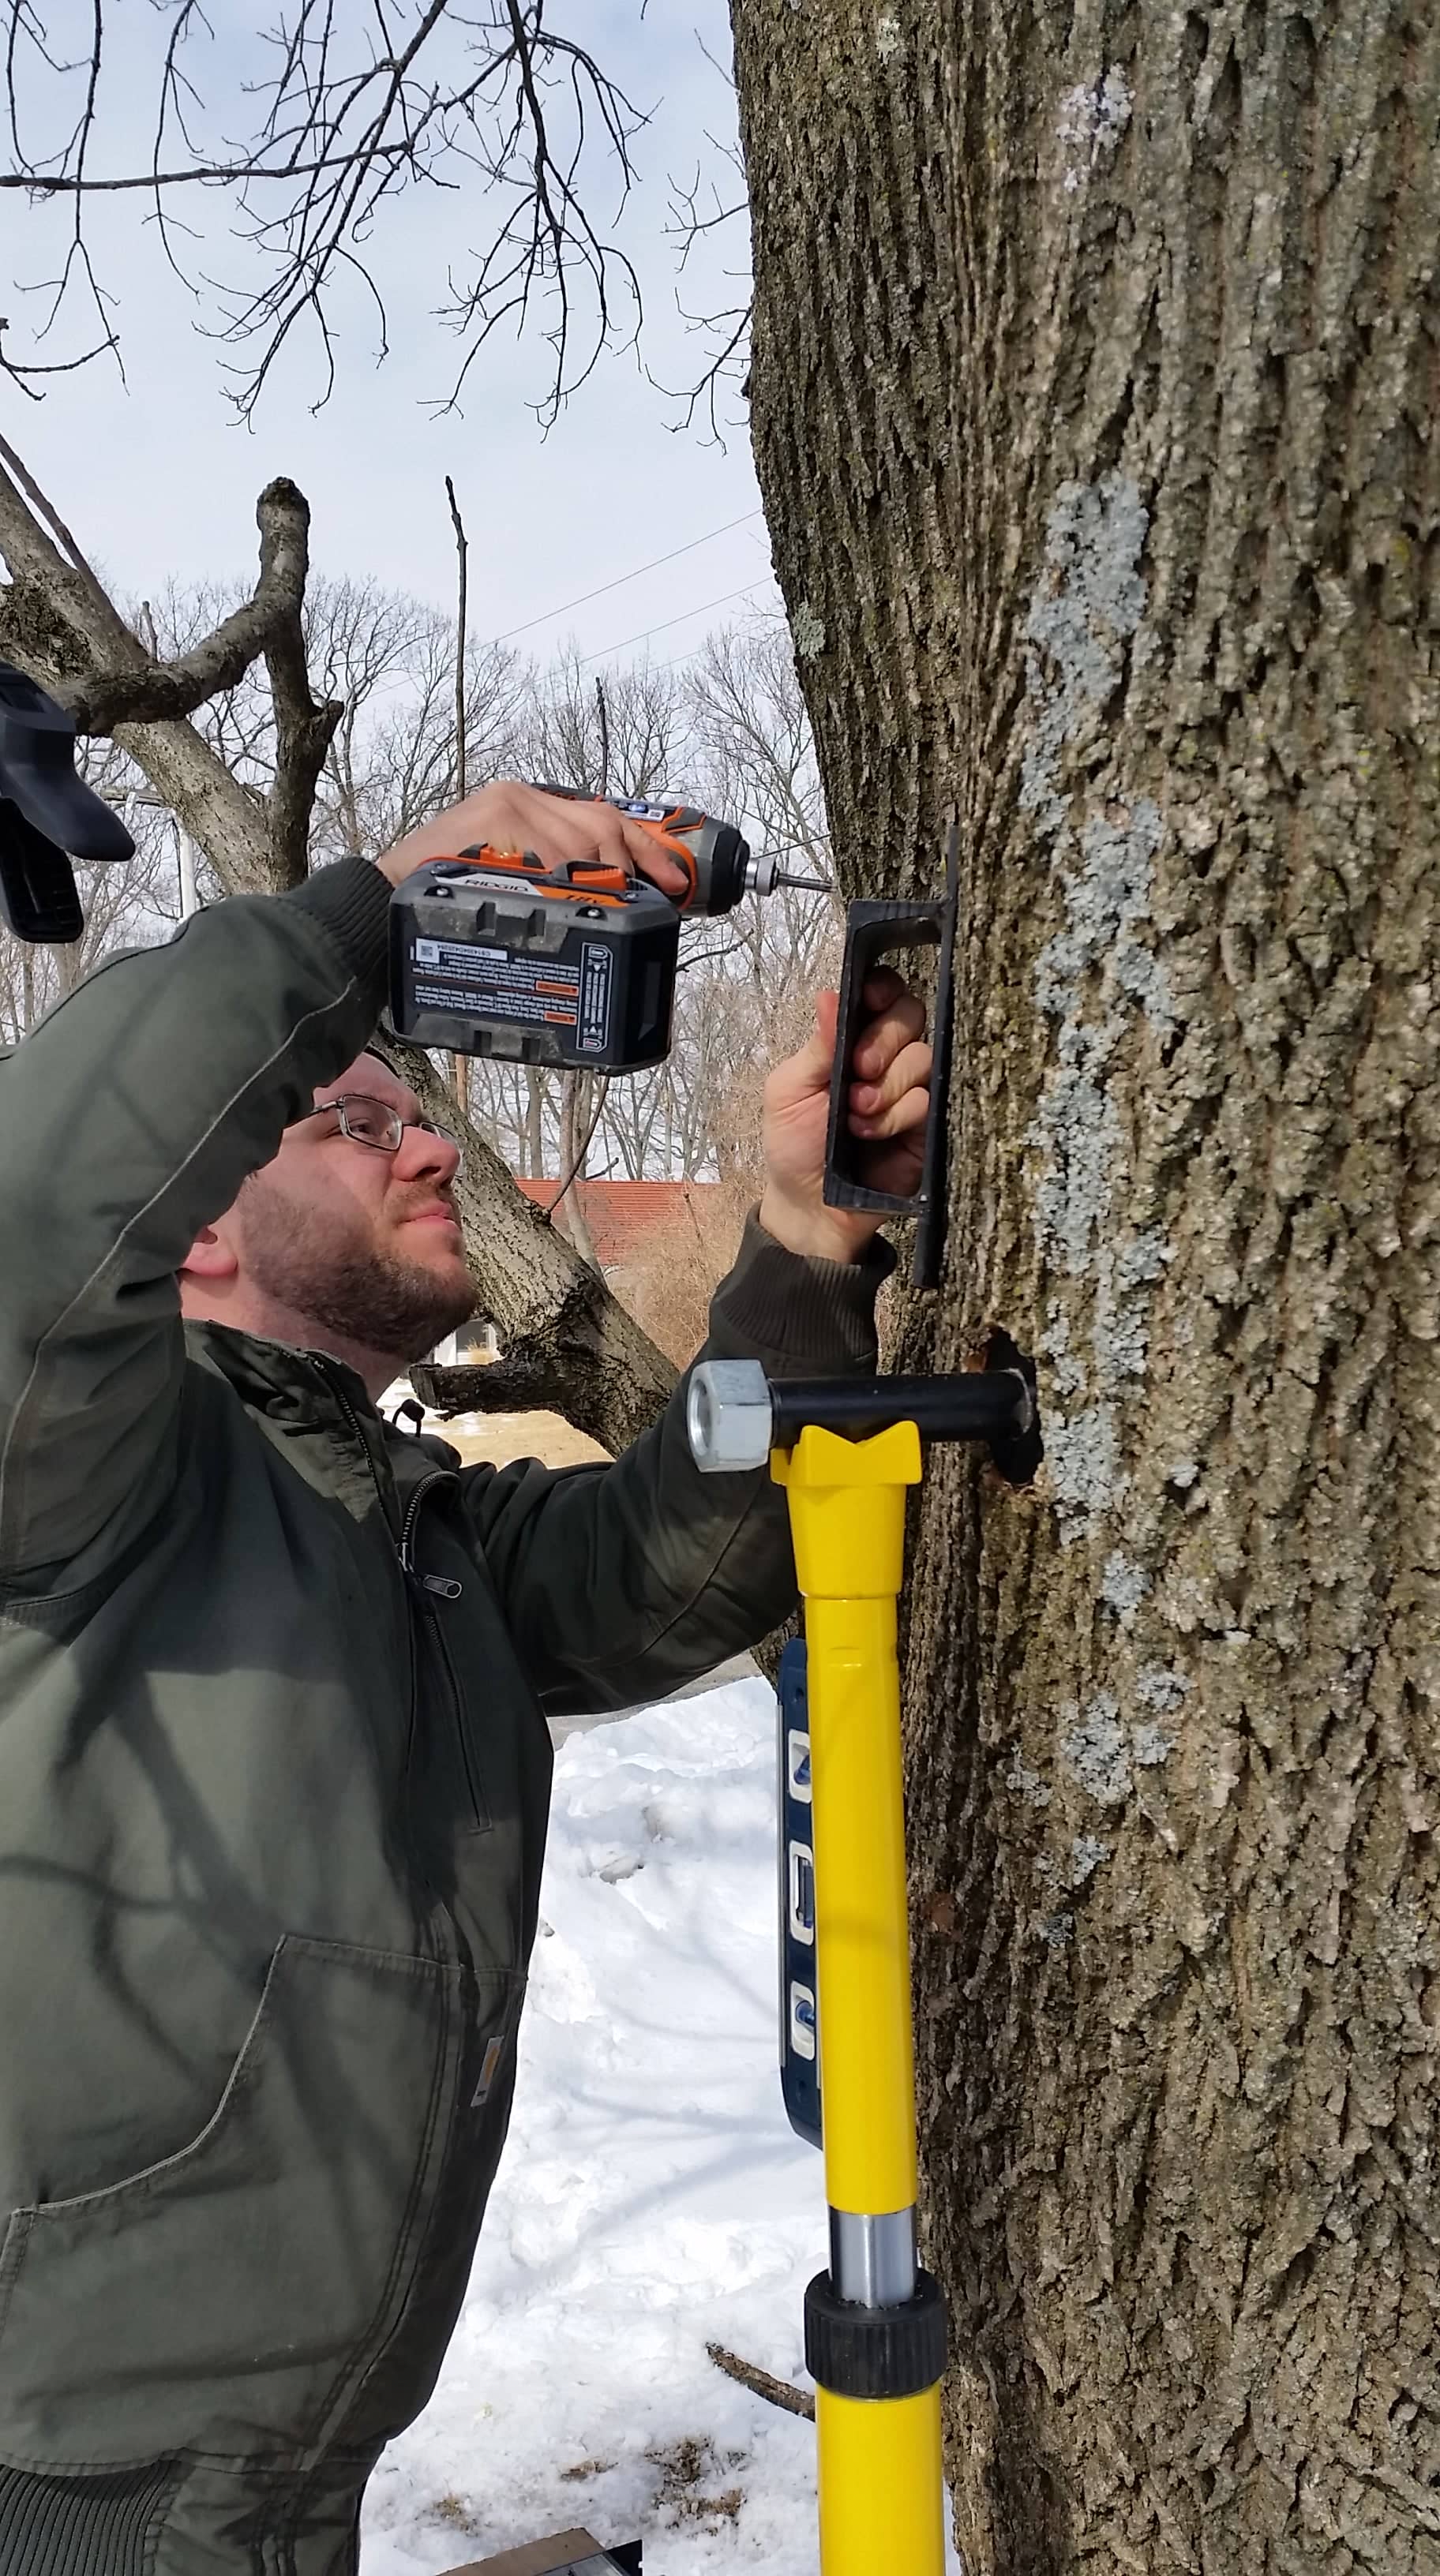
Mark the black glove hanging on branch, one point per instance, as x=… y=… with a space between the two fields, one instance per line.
x=48 y=816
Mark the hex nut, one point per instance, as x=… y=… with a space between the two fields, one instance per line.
x=728 y=1416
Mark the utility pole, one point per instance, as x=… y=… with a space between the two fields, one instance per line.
x=185 y=848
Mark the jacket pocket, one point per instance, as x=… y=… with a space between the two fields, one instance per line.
x=228 y=2300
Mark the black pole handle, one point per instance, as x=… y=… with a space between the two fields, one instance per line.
x=980 y=1404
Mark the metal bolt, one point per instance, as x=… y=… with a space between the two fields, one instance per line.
x=728 y=1416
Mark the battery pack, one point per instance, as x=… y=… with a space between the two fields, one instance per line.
x=572 y=966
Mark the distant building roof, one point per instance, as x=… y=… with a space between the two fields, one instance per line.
x=620 y=1214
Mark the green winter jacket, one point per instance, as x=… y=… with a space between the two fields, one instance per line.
x=274 y=1769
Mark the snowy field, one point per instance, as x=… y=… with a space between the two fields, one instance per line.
x=652 y=2196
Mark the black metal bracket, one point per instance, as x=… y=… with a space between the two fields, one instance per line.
x=873 y=932
x=48 y=815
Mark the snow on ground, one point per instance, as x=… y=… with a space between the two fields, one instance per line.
x=652 y=2196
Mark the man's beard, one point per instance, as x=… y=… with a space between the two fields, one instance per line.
x=370 y=1298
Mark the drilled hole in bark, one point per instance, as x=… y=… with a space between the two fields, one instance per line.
x=1017 y=1459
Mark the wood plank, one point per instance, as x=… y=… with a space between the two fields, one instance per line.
x=538 y=2558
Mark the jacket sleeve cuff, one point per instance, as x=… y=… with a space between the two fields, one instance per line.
x=804 y=1315
x=351 y=902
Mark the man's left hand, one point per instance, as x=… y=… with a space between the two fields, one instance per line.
x=888 y=1102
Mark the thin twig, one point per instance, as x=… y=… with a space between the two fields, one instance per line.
x=762 y=2384
x=460 y=1064
x=582 y=1149
x=462 y=551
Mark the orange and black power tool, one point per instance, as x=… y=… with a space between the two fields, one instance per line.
x=496 y=954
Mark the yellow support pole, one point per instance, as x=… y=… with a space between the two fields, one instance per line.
x=875 y=2326
x=881 y=2492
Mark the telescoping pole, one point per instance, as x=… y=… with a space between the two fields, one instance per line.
x=874 y=2324
x=846 y=1452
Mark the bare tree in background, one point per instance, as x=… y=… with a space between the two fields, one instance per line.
x=394 y=760
x=387 y=662
x=754 y=760
x=635 y=738
x=748 y=720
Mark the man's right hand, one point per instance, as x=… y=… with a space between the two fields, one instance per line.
x=511 y=817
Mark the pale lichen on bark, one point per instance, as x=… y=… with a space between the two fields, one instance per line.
x=1086 y=610
x=1092 y=118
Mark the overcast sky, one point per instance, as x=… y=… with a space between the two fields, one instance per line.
x=155 y=478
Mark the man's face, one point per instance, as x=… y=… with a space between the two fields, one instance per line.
x=361 y=1242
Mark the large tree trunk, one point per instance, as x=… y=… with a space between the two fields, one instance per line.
x=1094 y=386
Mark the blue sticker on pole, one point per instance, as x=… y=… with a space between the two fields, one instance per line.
x=799 y=2004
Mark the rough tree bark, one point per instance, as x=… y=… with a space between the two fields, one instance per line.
x=1094 y=393
x=557 y=1321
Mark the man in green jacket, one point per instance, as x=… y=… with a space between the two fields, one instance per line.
x=274 y=1761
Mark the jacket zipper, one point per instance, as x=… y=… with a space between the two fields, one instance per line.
x=428 y=1587
x=442 y=1585
x=444 y=1588
x=353 y=1418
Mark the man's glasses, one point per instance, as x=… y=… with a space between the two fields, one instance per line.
x=372 y=1122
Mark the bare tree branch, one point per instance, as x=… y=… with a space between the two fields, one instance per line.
x=461 y=615
x=303 y=730
x=58 y=622
x=138 y=690
x=20 y=371
x=728 y=330
x=17 y=467
x=157 y=691
x=55 y=183
x=564 y=1366
x=354 y=109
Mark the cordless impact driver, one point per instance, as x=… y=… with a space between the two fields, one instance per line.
x=494 y=953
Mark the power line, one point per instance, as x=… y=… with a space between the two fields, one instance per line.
x=621 y=578
x=666 y=623
x=691 y=653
